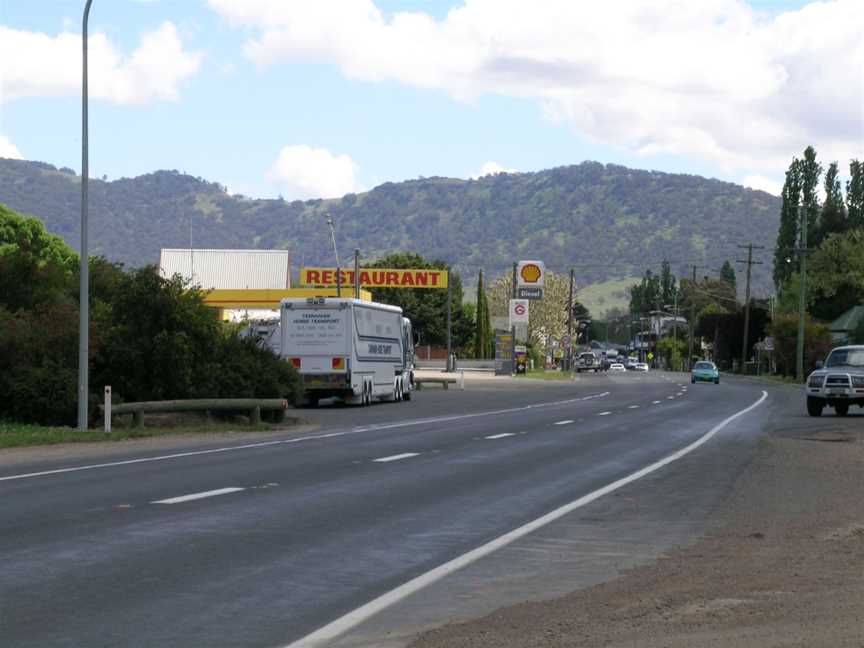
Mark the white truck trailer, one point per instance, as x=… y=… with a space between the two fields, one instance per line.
x=347 y=348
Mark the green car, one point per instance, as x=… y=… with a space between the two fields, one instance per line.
x=704 y=371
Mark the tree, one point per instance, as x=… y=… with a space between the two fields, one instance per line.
x=644 y=297
x=787 y=234
x=855 y=194
x=833 y=218
x=482 y=328
x=668 y=287
x=426 y=308
x=836 y=275
x=784 y=330
x=546 y=317
x=811 y=171
x=727 y=274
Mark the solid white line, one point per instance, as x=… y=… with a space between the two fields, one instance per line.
x=500 y=436
x=565 y=422
x=404 y=455
x=312 y=437
x=604 y=414
x=197 y=496
x=323 y=636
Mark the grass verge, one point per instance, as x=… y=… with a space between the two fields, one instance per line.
x=19 y=435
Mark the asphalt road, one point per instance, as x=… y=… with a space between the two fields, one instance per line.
x=282 y=537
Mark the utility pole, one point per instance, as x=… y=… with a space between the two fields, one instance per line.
x=750 y=263
x=449 y=364
x=569 y=322
x=692 y=321
x=513 y=327
x=802 y=297
x=336 y=253
x=84 y=289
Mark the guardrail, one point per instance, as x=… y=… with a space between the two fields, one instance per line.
x=252 y=405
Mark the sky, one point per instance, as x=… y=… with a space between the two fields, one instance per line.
x=318 y=98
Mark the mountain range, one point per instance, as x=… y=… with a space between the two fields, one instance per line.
x=609 y=222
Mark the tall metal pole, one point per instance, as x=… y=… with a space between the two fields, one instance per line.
x=449 y=365
x=802 y=297
x=513 y=327
x=84 y=298
x=356 y=274
x=692 y=322
x=569 y=322
x=336 y=254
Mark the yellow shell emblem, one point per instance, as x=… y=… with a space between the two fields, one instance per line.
x=530 y=273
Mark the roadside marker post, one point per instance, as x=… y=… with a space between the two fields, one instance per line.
x=107 y=409
x=462 y=380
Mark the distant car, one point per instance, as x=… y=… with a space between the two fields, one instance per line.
x=838 y=383
x=640 y=366
x=617 y=366
x=705 y=371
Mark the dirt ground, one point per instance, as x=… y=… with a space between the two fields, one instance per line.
x=784 y=568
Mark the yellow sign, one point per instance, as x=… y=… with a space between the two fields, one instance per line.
x=268 y=298
x=375 y=277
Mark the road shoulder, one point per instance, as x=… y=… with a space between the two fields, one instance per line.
x=782 y=567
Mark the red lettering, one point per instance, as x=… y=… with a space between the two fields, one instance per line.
x=435 y=276
x=350 y=278
x=407 y=278
x=313 y=277
x=327 y=277
x=379 y=278
x=364 y=278
x=392 y=279
x=421 y=278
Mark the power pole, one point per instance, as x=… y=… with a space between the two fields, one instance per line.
x=569 y=322
x=750 y=263
x=802 y=297
x=513 y=327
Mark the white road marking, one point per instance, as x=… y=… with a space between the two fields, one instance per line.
x=670 y=398
x=564 y=422
x=633 y=407
x=655 y=402
x=604 y=414
x=311 y=437
x=404 y=455
x=325 y=635
x=197 y=496
x=500 y=436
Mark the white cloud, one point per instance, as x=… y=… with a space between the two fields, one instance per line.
x=8 y=149
x=492 y=168
x=301 y=171
x=33 y=64
x=763 y=184
x=715 y=79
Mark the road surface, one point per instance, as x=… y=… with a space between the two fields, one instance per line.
x=265 y=543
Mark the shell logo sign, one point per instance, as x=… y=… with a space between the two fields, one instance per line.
x=530 y=273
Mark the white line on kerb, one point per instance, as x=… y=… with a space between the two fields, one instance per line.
x=323 y=636
x=604 y=414
x=311 y=437
x=197 y=496
x=565 y=422
x=500 y=436
x=404 y=455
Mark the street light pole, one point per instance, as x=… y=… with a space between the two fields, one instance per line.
x=336 y=254
x=84 y=292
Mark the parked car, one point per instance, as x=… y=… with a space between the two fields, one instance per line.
x=617 y=366
x=705 y=371
x=640 y=366
x=837 y=383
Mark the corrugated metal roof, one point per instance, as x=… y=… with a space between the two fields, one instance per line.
x=228 y=268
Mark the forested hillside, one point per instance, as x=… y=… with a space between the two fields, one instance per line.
x=609 y=221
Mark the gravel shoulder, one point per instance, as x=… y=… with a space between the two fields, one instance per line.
x=783 y=567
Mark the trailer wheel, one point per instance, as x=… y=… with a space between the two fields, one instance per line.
x=407 y=393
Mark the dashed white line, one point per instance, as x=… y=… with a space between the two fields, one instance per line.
x=633 y=407
x=604 y=413
x=499 y=436
x=197 y=496
x=566 y=422
x=655 y=402
x=397 y=457
x=325 y=635
x=670 y=398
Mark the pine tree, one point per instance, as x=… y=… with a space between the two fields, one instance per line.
x=787 y=235
x=855 y=194
x=833 y=217
x=727 y=274
x=482 y=321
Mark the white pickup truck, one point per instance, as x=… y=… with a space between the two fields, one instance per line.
x=837 y=383
x=355 y=350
